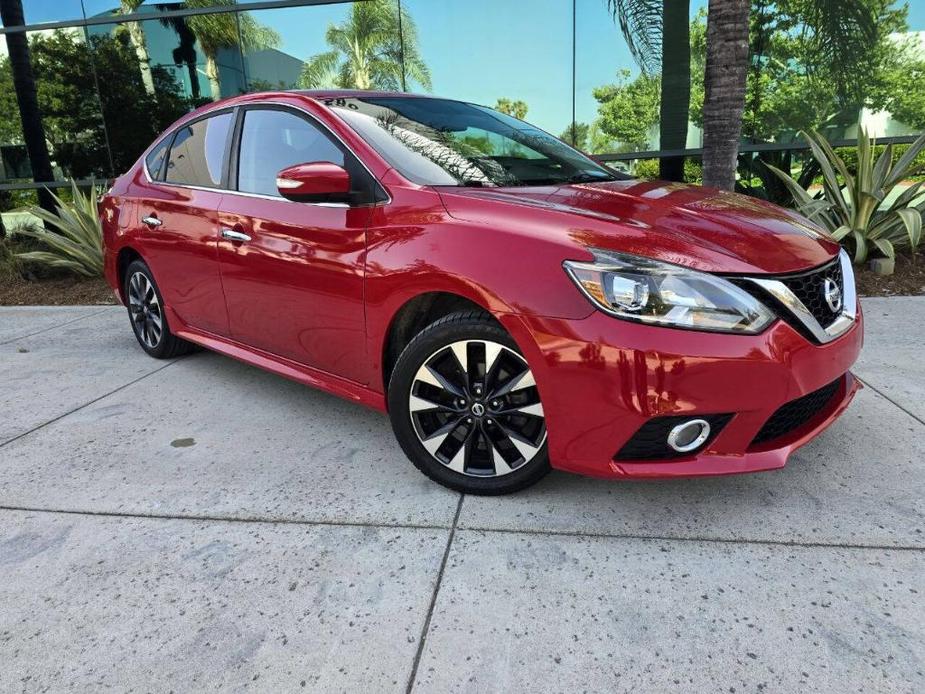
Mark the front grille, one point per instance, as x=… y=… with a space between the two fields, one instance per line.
x=796 y=413
x=809 y=287
x=650 y=442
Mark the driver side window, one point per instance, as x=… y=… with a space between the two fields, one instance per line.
x=272 y=140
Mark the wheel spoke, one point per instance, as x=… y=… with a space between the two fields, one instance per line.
x=432 y=376
x=504 y=448
x=427 y=376
x=461 y=457
x=522 y=380
x=501 y=466
x=492 y=350
x=475 y=369
x=450 y=444
x=418 y=403
x=435 y=439
x=462 y=358
x=525 y=447
x=433 y=442
x=472 y=446
x=536 y=410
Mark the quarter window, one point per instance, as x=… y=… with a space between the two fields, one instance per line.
x=155 y=160
x=197 y=155
x=272 y=140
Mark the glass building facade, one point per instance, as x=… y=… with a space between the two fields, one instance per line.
x=111 y=74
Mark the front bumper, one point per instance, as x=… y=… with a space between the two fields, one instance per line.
x=600 y=379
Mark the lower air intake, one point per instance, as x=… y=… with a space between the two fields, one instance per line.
x=796 y=413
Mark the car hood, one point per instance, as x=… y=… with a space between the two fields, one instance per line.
x=702 y=228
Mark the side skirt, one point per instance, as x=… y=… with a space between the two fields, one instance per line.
x=306 y=375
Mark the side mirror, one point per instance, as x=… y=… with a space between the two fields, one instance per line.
x=319 y=181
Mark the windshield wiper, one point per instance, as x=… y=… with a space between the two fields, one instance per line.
x=585 y=177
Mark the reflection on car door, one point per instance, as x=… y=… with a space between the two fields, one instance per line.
x=294 y=287
x=179 y=221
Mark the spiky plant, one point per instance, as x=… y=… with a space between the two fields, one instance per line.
x=74 y=240
x=852 y=205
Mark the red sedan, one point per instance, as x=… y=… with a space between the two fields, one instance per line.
x=512 y=304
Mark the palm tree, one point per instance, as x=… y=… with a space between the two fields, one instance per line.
x=658 y=35
x=376 y=47
x=843 y=38
x=517 y=108
x=221 y=30
x=137 y=38
x=33 y=130
x=724 y=85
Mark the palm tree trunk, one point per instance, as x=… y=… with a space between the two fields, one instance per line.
x=137 y=37
x=193 y=80
x=724 y=84
x=33 y=130
x=212 y=74
x=676 y=85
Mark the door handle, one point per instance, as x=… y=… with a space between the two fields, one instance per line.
x=233 y=235
x=151 y=221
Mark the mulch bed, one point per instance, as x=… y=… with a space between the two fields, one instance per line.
x=909 y=278
x=58 y=291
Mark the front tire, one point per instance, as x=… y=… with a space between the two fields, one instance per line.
x=465 y=407
x=146 y=313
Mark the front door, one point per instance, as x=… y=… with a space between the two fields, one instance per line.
x=292 y=272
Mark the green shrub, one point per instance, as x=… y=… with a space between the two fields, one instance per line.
x=648 y=169
x=849 y=155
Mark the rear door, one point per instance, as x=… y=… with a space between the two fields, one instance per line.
x=179 y=219
x=294 y=287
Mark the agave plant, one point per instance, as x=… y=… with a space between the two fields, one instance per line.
x=852 y=205
x=75 y=240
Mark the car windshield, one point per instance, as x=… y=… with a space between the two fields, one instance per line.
x=451 y=143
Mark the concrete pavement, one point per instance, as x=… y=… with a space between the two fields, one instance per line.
x=200 y=524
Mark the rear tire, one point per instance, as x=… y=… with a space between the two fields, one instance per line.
x=465 y=408
x=146 y=314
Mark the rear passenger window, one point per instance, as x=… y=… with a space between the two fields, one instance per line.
x=271 y=140
x=198 y=152
x=155 y=160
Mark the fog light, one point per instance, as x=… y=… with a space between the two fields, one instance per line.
x=689 y=435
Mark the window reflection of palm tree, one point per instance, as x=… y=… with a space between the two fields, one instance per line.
x=185 y=52
x=220 y=30
x=461 y=160
x=139 y=43
x=373 y=48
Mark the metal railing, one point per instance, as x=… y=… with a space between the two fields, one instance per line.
x=747 y=148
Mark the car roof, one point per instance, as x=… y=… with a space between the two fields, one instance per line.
x=358 y=93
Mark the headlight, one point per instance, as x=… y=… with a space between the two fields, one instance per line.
x=648 y=291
